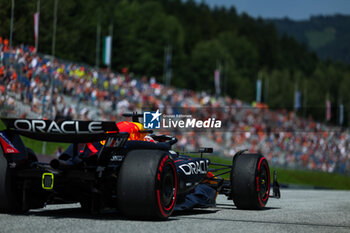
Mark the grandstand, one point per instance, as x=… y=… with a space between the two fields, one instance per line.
x=82 y=92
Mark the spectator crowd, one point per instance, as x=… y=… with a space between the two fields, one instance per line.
x=34 y=85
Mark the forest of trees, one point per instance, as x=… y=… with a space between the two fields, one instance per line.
x=328 y=36
x=202 y=39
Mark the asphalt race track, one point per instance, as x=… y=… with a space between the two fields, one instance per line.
x=297 y=211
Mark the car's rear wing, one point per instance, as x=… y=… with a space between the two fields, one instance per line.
x=61 y=131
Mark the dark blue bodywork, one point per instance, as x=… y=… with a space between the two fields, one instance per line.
x=191 y=171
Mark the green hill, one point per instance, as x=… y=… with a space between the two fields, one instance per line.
x=328 y=36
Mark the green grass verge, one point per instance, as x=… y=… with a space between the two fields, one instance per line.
x=313 y=178
x=37 y=146
x=298 y=177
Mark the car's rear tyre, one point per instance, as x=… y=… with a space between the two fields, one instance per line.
x=86 y=206
x=250 y=181
x=147 y=185
x=9 y=198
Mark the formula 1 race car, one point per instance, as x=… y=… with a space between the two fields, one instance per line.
x=121 y=166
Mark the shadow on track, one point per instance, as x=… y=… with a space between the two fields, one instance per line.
x=232 y=207
x=78 y=213
x=193 y=212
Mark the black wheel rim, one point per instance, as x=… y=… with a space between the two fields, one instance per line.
x=263 y=182
x=167 y=187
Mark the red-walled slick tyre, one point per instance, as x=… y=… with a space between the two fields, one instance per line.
x=147 y=185
x=250 y=181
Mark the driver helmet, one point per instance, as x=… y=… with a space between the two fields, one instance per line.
x=149 y=139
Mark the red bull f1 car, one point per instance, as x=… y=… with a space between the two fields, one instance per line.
x=124 y=167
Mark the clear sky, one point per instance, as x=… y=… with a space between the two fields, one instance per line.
x=294 y=9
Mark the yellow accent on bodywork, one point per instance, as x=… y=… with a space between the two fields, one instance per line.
x=43 y=178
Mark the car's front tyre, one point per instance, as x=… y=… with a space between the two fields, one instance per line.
x=250 y=181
